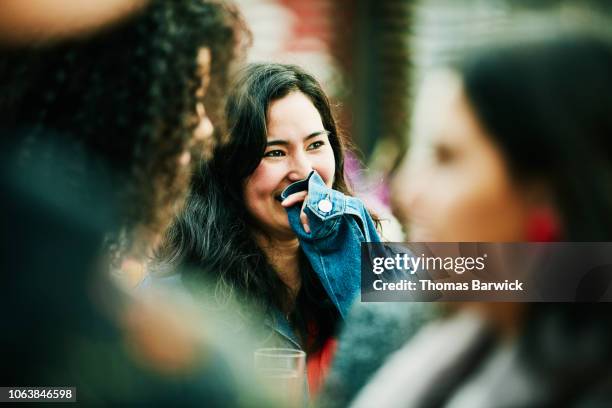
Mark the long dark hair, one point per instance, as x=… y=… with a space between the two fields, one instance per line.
x=547 y=105
x=127 y=96
x=213 y=235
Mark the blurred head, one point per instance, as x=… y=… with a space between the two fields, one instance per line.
x=131 y=96
x=513 y=145
x=280 y=128
x=23 y=21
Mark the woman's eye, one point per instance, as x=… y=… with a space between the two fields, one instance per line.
x=315 y=145
x=274 y=153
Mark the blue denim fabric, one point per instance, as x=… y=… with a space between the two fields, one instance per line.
x=333 y=248
x=338 y=225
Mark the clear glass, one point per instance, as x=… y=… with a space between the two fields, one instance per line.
x=281 y=371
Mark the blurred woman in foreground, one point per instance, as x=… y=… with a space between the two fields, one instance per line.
x=511 y=145
x=98 y=133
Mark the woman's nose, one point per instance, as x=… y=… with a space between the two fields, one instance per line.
x=301 y=167
x=405 y=191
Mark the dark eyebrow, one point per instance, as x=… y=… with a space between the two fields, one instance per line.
x=317 y=133
x=275 y=142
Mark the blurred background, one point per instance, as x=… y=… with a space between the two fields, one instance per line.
x=370 y=54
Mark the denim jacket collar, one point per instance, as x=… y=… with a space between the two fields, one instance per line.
x=323 y=202
x=338 y=225
x=279 y=323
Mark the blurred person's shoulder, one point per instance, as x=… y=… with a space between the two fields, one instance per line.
x=372 y=332
x=228 y=316
x=373 y=329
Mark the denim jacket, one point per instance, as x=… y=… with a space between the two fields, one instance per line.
x=338 y=225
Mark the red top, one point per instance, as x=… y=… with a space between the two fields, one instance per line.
x=318 y=364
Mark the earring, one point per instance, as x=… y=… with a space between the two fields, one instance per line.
x=543 y=226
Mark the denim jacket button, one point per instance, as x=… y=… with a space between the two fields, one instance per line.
x=325 y=205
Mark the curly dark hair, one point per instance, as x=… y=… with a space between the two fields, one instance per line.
x=127 y=95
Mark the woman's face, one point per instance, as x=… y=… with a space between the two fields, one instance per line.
x=454 y=184
x=297 y=143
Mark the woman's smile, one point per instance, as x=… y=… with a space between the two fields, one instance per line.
x=297 y=143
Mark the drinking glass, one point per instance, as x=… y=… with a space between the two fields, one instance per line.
x=281 y=372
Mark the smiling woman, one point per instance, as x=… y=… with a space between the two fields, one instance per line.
x=238 y=232
x=297 y=143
